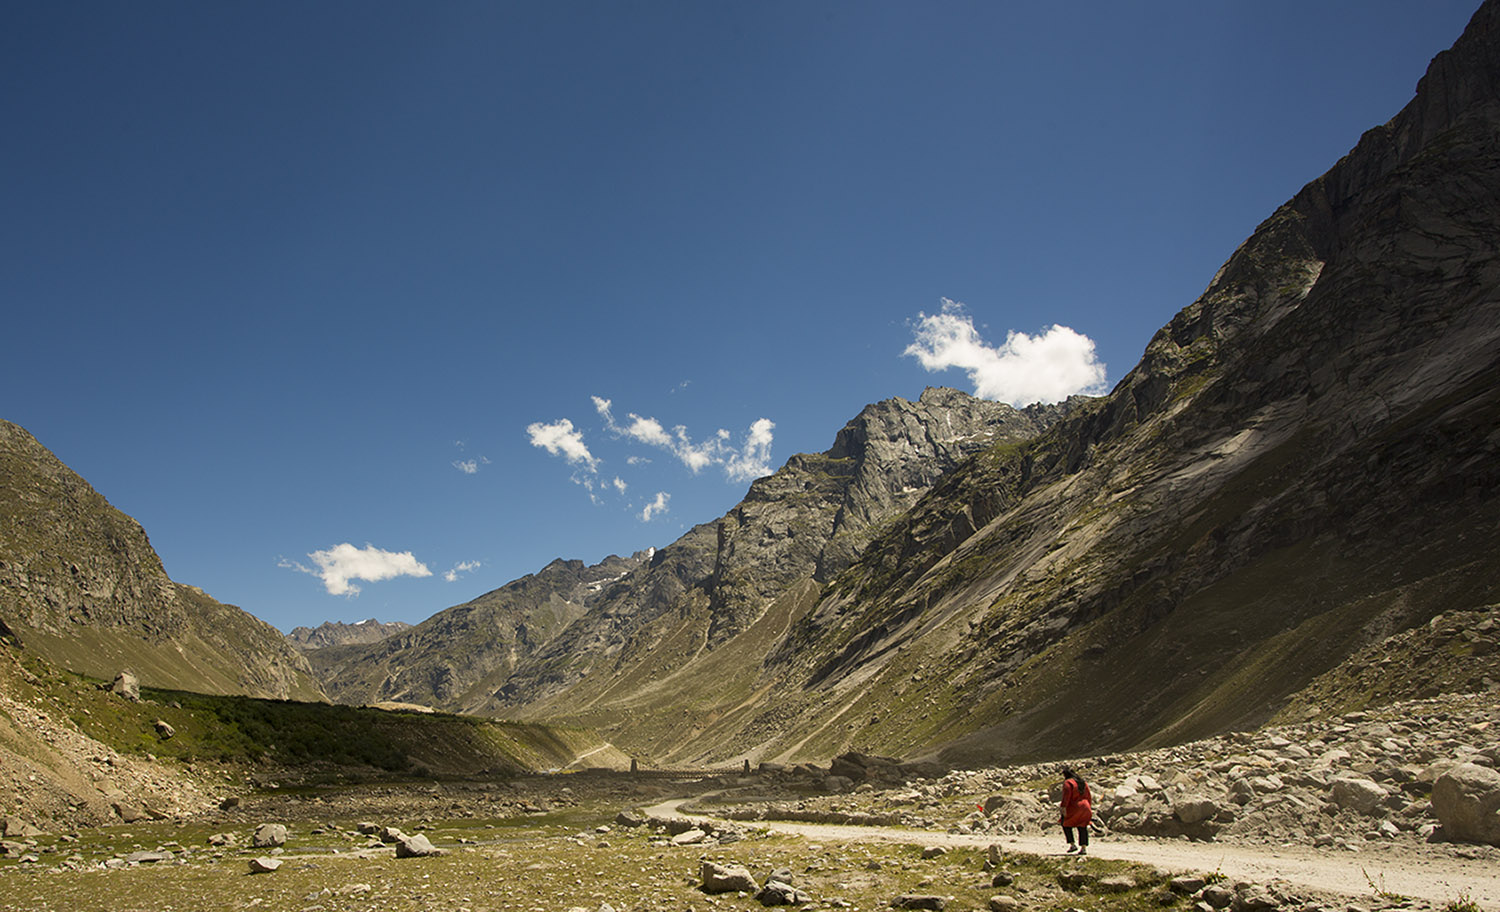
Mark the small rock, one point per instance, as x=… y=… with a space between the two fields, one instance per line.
x=1005 y=904
x=780 y=893
x=1118 y=883
x=1187 y=884
x=264 y=865
x=934 y=851
x=928 y=901
x=689 y=837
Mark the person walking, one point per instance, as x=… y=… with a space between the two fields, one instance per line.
x=1077 y=811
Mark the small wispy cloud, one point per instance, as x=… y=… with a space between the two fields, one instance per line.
x=619 y=484
x=1048 y=367
x=338 y=565
x=751 y=461
x=459 y=569
x=467 y=466
x=656 y=507
x=560 y=438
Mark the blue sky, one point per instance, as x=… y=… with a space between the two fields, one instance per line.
x=418 y=297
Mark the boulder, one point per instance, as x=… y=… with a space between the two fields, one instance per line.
x=1466 y=800
x=269 y=835
x=1363 y=796
x=417 y=846
x=781 y=893
x=264 y=865
x=1005 y=904
x=16 y=828
x=630 y=819
x=128 y=686
x=390 y=835
x=934 y=851
x=1191 y=809
x=689 y=837
x=719 y=878
x=223 y=839
x=164 y=729
x=147 y=857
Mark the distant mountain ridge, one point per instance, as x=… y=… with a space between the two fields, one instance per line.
x=801 y=525
x=338 y=633
x=81 y=585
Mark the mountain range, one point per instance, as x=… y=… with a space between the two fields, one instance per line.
x=1300 y=473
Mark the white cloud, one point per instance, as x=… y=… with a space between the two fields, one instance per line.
x=655 y=507
x=560 y=439
x=619 y=484
x=739 y=465
x=342 y=563
x=754 y=460
x=1048 y=367
x=467 y=466
x=460 y=569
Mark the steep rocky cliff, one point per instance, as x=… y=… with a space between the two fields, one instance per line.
x=1303 y=465
x=81 y=585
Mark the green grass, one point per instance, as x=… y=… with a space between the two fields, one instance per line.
x=544 y=863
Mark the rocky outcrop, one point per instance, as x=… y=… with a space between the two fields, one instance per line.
x=81 y=585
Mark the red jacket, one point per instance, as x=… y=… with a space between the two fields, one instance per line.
x=1077 y=807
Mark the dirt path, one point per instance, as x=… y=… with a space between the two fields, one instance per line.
x=1435 y=878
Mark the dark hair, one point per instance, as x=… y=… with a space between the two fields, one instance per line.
x=1068 y=773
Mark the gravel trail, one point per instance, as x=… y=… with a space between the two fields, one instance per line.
x=1436 y=878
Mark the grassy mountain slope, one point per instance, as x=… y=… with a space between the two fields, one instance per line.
x=81 y=585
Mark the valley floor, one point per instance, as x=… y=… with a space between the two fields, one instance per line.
x=1279 y=830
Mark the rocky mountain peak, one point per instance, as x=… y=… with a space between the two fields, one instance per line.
x=338 y=633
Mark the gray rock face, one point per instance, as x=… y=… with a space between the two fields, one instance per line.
x=1466 y=799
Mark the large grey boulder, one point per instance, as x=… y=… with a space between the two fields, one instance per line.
x=1466 y=800
x=269 y=835
x=128 y=686
x=719 y=878
x=1363 y=796
x=417 y=846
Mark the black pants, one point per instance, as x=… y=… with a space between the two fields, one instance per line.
x=1083 y=834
